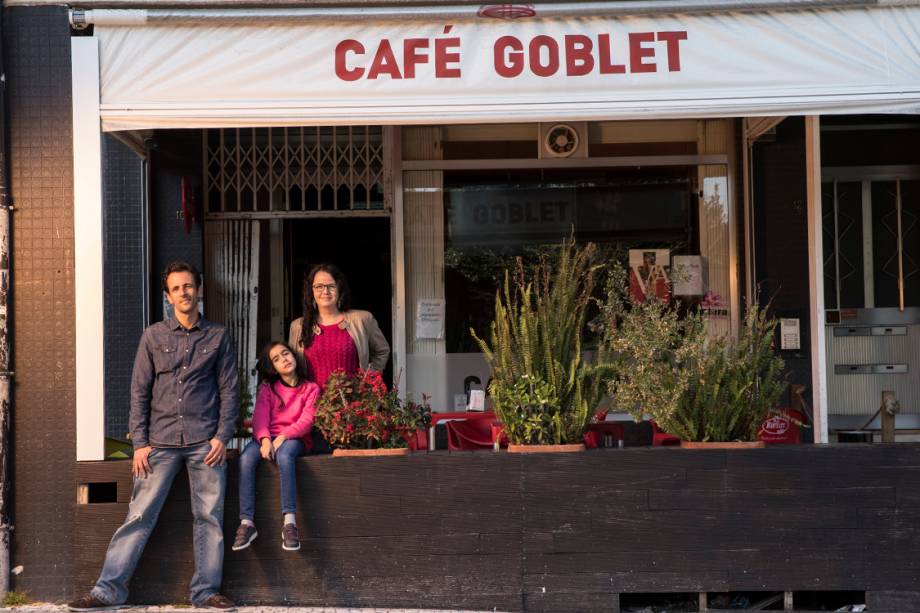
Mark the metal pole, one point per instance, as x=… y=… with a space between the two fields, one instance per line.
x=897 y=203
x=5 y=373
x=227 y=11
x=817 y=347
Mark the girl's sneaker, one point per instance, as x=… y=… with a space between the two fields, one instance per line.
x=290 y=537
x=245 y=535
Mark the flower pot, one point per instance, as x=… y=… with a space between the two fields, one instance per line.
x=575 y=447
x=418 y=440
x=351 y=453
x=723 y=445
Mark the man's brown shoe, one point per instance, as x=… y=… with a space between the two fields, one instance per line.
x=91 y=603
x=218 y=601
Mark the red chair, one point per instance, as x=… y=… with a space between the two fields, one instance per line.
x=596 y=434
x=469 y=434
x=498 y=432
x=660 y=438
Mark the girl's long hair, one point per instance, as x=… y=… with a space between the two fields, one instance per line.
x=310 y=311
x=267 y=373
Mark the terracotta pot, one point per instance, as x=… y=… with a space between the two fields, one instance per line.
x=575 y=447
x=351 y=453
x=724 y=445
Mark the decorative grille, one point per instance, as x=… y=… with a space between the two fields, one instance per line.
x=281 y=172
x=232 y=287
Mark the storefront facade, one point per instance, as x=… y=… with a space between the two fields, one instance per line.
x=423 y=148
x=583 y=101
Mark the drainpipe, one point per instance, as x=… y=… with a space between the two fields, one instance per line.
x=5 y=374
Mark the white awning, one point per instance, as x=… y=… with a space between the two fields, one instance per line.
x=487 y=69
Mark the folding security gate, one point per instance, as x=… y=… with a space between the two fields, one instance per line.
x=231 y=288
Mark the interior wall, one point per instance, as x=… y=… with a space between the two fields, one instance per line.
x=423 y=214
x=175 y=154
x=781 y=235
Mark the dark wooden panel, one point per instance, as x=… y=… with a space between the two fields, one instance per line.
x=626 y=581
x=642 y=560
x=559 y=533
x=893 y=601
x=101 y=472
x=817 y=499
x=562 y=602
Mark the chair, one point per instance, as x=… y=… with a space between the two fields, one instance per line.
x=470 y=434
x=660 y=438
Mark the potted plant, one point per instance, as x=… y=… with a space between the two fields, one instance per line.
x=706 y=391
x=243 y=433
x=543 y=388
x=358 y=415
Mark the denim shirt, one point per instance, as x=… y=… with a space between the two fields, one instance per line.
x=185 y=386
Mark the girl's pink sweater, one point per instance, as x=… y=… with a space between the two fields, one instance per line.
x=290 y=415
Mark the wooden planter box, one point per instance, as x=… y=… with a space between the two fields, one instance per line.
x=555 y=532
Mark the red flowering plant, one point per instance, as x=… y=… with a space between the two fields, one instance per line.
x=359 y=412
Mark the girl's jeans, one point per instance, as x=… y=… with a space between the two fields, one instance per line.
x=207 y=489
x=285 y=458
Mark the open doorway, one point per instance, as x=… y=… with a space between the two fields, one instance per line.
x=360 y=246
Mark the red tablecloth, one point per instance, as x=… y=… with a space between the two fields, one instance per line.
x=439 y=417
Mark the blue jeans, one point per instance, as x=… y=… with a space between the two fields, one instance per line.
x=207 y=486
x=285 y=459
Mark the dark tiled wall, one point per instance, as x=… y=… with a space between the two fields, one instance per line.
x=176 y=154
x=123 y=245
x=37 y=51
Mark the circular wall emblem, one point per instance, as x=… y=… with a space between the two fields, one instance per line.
x=507 y=11
x=561 y=141
x=776 y=425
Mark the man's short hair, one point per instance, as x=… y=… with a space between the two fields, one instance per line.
x=180 y=266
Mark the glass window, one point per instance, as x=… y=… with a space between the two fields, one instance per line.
x=463 y=228
x=491 y=219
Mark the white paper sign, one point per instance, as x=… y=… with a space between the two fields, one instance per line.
x=477 y=400
x=789 y=334
x=687 y=275
x=429 y=318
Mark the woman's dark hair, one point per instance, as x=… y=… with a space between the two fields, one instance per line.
x=310 y=312
x=267 y=372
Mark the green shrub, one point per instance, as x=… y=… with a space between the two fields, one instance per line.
x=696 y=387
x=16 y=598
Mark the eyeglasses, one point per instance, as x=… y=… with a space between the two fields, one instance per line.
x=321 y=288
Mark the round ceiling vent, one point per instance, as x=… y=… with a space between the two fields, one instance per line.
x=560 y=141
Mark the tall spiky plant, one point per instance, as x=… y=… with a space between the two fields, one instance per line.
x=543 y=389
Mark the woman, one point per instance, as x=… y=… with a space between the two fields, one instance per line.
x=282 y=424
x=331 y=335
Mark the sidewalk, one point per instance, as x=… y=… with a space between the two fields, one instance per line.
x=59 y=608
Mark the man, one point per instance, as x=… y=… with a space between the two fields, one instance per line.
x=184 y=405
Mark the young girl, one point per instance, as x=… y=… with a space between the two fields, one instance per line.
x=281 y=425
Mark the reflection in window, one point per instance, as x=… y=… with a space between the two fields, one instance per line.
x=489 y=221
